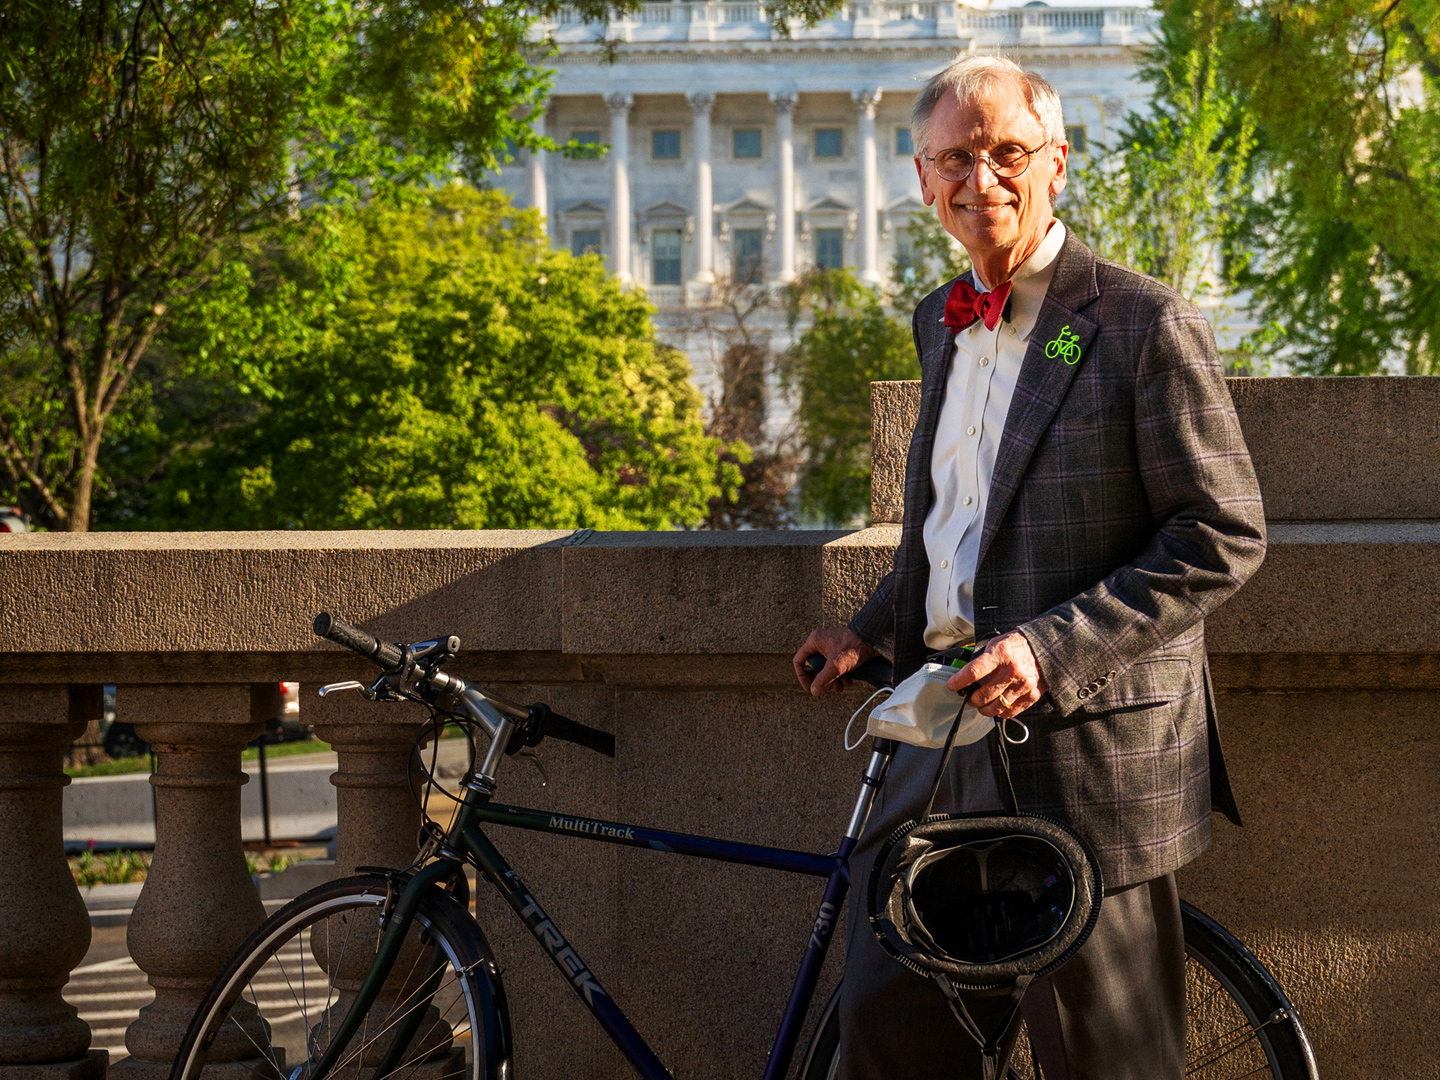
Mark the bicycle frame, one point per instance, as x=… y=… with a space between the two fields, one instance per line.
x=466 y=842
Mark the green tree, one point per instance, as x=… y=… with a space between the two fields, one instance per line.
x=464 y=376
x=851 y=342
x=935 y=257
x=140 y=138
x=1170 y=199
x=142 y=142
x=1347 y=231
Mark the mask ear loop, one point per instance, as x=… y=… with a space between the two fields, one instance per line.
x=848 y=744
x=1005 y=762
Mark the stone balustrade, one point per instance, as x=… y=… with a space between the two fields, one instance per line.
x=680 y=644
x=728 y=20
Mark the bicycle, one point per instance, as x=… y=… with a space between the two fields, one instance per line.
x=421 y=995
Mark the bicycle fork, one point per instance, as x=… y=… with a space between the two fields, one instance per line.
x=397 y=926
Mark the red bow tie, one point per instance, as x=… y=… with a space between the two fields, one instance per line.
x=965 y=304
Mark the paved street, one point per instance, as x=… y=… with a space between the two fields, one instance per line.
x=120 y=809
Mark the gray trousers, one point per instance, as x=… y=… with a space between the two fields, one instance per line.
x=1116 y=1011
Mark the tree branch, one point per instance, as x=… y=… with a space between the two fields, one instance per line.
x=15 y=457
x=1427 y=59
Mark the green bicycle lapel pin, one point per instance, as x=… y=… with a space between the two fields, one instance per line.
x=1065 y=346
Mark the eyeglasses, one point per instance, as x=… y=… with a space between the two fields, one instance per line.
x=1008 y=162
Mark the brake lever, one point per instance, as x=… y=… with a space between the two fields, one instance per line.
x=533 y=756
x=335 y=687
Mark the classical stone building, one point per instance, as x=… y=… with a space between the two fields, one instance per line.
x=737 y=151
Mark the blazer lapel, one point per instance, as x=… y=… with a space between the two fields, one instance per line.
x=1044 y=380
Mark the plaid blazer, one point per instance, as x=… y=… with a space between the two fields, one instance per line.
x=1123 y=509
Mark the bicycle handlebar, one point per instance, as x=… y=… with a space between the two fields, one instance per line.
x=548 y=724
x=877 y=671
x=333 y=628
x=537 y=723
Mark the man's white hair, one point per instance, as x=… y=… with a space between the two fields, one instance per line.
x=976 y=76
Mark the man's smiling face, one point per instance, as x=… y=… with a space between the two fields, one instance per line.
x=1000 y=221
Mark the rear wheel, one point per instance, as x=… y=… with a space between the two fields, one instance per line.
x=1239 y=1023
x=274 y=1007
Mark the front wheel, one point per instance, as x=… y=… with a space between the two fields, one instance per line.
x=273 y=1008
x=1239 y=1023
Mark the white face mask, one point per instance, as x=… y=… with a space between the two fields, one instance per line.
x=921 y=709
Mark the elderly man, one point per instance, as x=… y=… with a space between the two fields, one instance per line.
x=1078 y=497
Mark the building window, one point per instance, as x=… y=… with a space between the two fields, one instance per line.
x=747 y=143
x=585 y=242
x=829 y=142
x=1075 y=136
x=904 y=144
x=512 y=152
x=665 y=145
x=749 y=257
x=907 y=262
x=830 y=248
x=585 y=138
x=665 y=257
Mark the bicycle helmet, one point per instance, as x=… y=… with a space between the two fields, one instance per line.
x=984 y=899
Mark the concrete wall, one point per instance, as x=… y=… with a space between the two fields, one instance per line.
x=680 y=644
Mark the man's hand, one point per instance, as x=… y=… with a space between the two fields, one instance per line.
x=1008 y=678
x=843 y=651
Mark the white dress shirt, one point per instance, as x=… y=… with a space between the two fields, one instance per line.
x=982 y=380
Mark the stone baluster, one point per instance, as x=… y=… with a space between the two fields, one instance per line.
x=379 y=825
x=621 y=224
x=784 y=102
x=700 y=104
x=866 y=101
x=44 y=929
x=198 y=905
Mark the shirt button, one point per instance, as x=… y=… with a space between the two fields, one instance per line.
x=984 y=361
x=968 y=500
x=970 y=431
x=1012 y=331
x=944 y=564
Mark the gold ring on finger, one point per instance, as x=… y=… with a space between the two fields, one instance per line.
x=1005 y=702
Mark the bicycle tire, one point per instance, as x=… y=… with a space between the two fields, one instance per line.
x=1273 y=1022
x=475 y=1011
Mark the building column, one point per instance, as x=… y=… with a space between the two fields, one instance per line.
x=700 y=104
x=865 y=101
x=539 y=188
x=784 y=102
x=620 y=223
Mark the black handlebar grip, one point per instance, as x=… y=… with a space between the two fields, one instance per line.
x=877 y=671
x=567 y=730
x=335 y=629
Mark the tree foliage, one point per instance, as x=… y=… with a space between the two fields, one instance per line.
x=1170 y=198
x=851 y=342
x=143 y=142
x=140 y=139
x=1346 y=220
x=463 y=376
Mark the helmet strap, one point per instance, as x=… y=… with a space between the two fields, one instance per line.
x=996 y=1046
x=945 y=760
